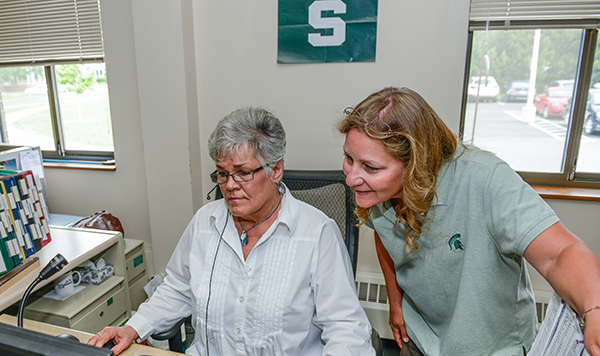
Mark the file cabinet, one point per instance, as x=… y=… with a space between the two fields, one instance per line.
x=135 y=264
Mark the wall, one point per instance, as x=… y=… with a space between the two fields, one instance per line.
x=176 y=67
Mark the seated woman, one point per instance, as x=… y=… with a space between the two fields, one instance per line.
x=260 y=272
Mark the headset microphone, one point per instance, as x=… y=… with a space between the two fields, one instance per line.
x=212 y=190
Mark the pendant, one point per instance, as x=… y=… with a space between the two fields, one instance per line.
x=244 y=239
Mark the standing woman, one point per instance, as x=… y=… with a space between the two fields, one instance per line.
x=260 y=272
x=453 y=228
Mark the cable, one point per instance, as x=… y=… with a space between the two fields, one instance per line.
x=210 y=283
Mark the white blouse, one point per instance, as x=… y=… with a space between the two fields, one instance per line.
x=294 y=295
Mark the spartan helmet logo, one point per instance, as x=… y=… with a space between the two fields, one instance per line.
x=455 y=243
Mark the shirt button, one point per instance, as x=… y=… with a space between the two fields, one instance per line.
x=237 y=330
x=241 y=299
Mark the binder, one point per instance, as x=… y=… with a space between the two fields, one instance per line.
x=7 y=262
x=19 y=272
x=26 y=209
x=3 y=268
x=35 y=207
x=21 y=228
x=23 y=218
x=13 y=248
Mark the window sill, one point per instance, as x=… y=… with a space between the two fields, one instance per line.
x=80 y=166
x=563 y=193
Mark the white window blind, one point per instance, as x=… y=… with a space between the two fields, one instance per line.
x=35 y=32
x=521 y=14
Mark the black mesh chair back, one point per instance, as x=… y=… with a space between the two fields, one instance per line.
x=328 y=192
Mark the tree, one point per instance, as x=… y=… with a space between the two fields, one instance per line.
x=17 y=75
x=71 y=75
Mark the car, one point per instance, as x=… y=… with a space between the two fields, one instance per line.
x=517 y=91
x=43 y=89
x=552 y=101
x=569 y=83
x=567 y=112
x=591 y=124
x=37 y=89
x=487 y=91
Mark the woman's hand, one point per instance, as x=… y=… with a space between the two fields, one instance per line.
x=397 y=322
x=121 y=336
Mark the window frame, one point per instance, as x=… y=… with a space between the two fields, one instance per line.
x=60 y=153
x=569 y=177
x=50 y=33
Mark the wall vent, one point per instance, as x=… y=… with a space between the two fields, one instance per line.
x=542 y=298
x=371 y=288
x=372 y=294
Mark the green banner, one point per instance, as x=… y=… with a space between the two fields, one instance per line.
x=327 y=31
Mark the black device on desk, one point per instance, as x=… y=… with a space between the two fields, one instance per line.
x=16 y=341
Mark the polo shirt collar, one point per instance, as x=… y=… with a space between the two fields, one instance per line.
x=445 y=179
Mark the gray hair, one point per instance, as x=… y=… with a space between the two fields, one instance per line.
x=246 y=128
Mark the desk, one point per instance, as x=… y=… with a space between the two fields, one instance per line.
x=133 y=350
x=76 y=245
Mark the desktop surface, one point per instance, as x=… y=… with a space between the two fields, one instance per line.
x=53 y=330
x=15 y=341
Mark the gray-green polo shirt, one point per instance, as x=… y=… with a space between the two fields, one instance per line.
x=466 y=289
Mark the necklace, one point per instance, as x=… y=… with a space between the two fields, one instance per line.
x=244 y=235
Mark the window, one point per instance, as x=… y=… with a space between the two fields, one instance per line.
x=530 y=85
x=53 y=82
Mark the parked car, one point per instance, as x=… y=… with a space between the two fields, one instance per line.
x=569 y=83
x=517 y=91
x=552 y=101
x=591 y=124
x=567 y=112
x=43 y=89
x=489 y=89
x=37 y=89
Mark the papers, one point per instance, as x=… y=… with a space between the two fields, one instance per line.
x=32 y=161
x=559 y=334
x=52 y=294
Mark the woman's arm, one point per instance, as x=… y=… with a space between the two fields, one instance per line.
x=394 y=292
x=337 y=310
x=573 y=271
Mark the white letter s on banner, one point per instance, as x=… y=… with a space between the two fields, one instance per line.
x=337 y=24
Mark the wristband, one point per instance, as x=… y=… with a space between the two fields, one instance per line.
x=582 y=320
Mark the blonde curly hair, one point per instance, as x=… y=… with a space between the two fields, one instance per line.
x=413 y=133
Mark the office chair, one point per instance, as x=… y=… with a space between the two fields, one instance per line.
x=327 y=191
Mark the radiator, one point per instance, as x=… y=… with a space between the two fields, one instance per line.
x=373 y=297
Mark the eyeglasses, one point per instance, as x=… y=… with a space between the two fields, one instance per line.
x=243 y=176
x=377 y=128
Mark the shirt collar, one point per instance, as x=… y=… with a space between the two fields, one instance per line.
x=445 y=179
x=287 y=212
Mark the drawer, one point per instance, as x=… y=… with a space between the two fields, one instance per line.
x=67 y=313
x=137 y=294
x=109 y=308
x=135 y=264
